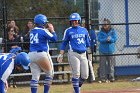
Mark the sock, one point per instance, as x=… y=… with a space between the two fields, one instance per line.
x=75 y=82
x=47 y=83
x=2 y=88
x=34 y=85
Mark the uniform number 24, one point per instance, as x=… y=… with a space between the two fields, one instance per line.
x=34 y=38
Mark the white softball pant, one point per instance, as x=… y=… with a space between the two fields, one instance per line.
x=35 y=68
x=79 y=64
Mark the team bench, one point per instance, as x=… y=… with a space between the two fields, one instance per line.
x=62 y=75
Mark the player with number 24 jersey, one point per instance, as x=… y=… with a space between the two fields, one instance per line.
x=39 y=38
x=39 y=52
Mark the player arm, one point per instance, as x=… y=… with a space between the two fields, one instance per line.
x=51 y=35
x=65 y=40
x=62 y=49
x=51 y=32
x=54 y=38
x=63 y=46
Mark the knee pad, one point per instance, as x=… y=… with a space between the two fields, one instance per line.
x=34 y=83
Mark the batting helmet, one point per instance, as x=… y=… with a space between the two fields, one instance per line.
x=22 y=59
x=15 y=50
x=75 y=16
x=40 y=19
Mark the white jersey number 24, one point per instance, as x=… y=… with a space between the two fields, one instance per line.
x=34 y=38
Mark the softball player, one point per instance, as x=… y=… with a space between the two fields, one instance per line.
x=7 y=63
x=78 y=39
x=39 y=52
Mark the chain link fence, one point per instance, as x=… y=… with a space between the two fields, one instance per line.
x=124 y=16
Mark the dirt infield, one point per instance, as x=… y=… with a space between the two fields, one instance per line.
x=134 y=90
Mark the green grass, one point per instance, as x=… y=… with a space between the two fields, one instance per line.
x=121 y=83
x=67 y=88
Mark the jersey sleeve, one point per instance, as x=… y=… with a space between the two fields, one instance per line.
x=51 y=36
x=65 y=40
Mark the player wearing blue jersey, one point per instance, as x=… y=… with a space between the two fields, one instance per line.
x=7 y=63
x=78 y=39
x=39 y=52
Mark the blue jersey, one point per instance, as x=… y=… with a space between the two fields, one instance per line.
x=39 y=38
x=6 y=65
x=77 y=38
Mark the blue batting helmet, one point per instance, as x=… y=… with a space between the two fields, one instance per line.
x=15 y=50
x=40 y=19
x=75 y=16
x=22 y=59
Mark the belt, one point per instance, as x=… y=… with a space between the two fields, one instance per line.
x=79 y=52
x=40 y=51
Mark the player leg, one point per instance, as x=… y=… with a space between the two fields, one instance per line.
x=47 y=66
x=35 y=70
x=84 y=69
x=75 y=67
